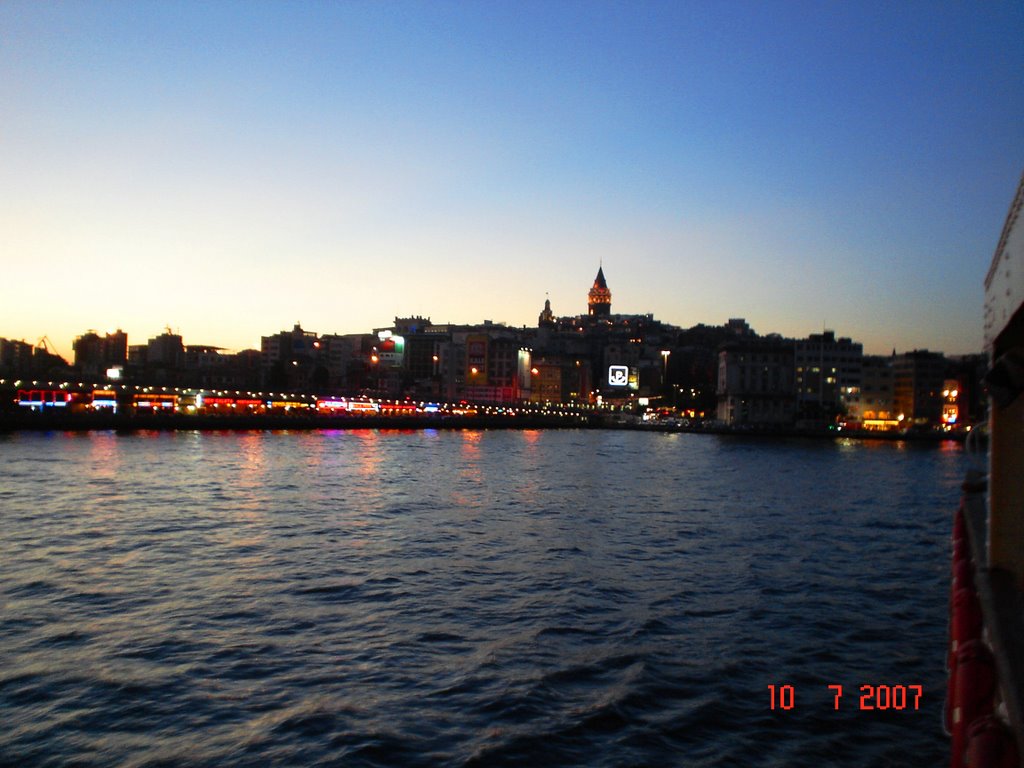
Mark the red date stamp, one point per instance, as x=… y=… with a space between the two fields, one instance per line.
x=871 y=697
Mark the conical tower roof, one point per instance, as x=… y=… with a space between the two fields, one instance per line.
x=599 y=300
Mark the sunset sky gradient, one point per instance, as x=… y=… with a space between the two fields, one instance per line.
x=228 y=169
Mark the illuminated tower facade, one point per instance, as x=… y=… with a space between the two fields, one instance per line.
x=599 y=300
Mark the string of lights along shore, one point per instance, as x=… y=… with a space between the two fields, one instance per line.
x=726 y=374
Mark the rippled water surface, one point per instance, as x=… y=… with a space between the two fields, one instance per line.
x=469 y=598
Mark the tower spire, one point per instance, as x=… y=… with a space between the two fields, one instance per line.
x=599 y=300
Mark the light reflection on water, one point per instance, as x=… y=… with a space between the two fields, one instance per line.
x=492 y=598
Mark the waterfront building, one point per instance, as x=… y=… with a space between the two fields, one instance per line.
x=406 y=359
x=482 y=363
x=559 y=379
x=917 y=387
x=968 y=371
x=164 y=360
x=95 y=354
x=204 y=356
x=872 y=405
x=210 y=367
x=755 y=382
x=693 y=365
x=486 y=363
x=346 y=360
x=950 y=402
x=117 y=347
x=244 y=368
x=546 y=386
x=292 y=361
x=561 y=368
x=827 y=375
x=15 y=358
x=165 y=351
x=424 y=345
x=206 y=367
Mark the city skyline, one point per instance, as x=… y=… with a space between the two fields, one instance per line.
x=168 y=331
x=228 y=170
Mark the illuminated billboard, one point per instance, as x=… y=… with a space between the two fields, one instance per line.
x=618 y=375
x=523 y=366
x=623 y=376
x=476 y=358
x=391 y=349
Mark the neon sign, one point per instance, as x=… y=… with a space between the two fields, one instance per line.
x=618 y=375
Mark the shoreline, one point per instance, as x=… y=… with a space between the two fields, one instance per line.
x=129 y=423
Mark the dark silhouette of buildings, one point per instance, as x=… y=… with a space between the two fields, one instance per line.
x=95 y=354
x=633 y=361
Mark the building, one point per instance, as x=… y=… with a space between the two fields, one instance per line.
x=209 y=367
x=15 y=358
x=968 y=371
x=755 y=382
x=872 y=406
x=166 y=351
x=486 y=363
x=693 y=365
x=137 y=356
x=546 y=319
x=950 y=402
x=95 y=354
x=827 y=374
x=619 y=358
x=599 y=299
x=291 y=361
x=346 y=357
x=738 y=326
x=424 y=345
x=244 y=369
x=163 y=360
x=917 y=387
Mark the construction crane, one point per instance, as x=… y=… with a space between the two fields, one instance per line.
x=47 y=346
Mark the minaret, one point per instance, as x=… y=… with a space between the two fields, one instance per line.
x=599 y=300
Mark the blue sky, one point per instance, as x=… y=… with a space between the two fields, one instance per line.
x=228 y=169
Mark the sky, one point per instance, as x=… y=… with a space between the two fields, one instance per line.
x=227 y=169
